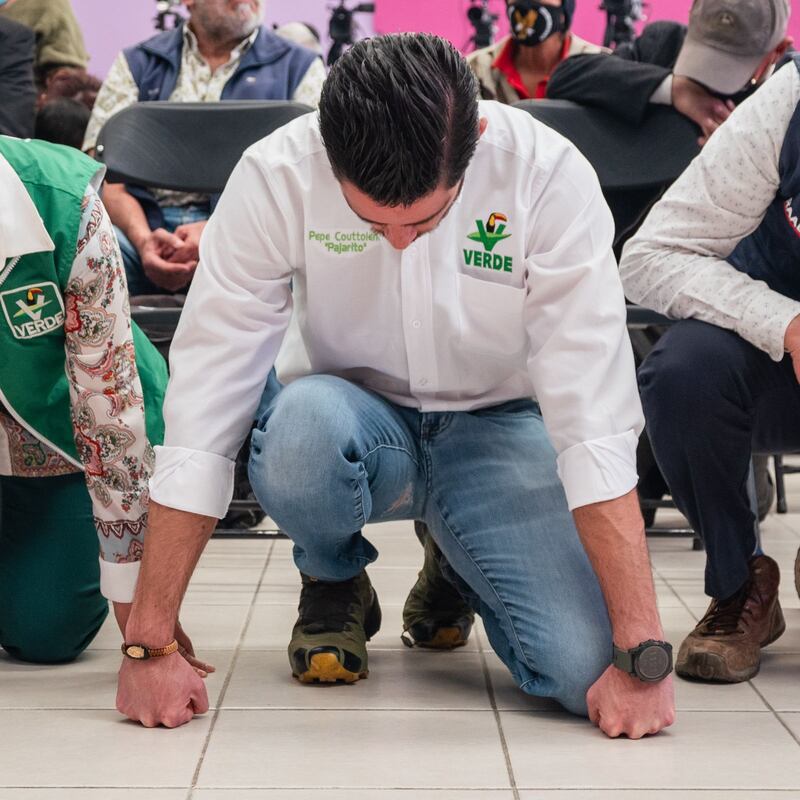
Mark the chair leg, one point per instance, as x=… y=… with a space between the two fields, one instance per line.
x=780 y=487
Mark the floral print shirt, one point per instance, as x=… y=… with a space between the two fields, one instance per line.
x=107 y=405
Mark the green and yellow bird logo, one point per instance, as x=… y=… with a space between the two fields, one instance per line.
x=492 y=232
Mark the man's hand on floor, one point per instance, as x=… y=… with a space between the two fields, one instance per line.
x=622 y=705
x=163 y=261
x=160 y=691
x=694 y=102
x=123 y=610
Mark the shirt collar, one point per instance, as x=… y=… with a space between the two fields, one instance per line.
x=190 y=41
x=21 y=228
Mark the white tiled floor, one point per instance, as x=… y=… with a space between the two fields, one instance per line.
x=425 y=726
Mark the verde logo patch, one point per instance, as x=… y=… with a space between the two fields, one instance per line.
x=33 y=310
x=342 y=242
x=489 y=234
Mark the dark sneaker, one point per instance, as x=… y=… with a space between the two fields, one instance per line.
x=329 y=640
x=726 y=644
x=435 y=614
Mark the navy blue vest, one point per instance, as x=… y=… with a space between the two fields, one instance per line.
x=772 y=252
x=271 y=69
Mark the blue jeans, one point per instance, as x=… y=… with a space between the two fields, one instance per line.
x=328 y=456
x=138 y=282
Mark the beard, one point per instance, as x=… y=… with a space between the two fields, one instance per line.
x=224 y=24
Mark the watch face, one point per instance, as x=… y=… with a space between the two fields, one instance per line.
x=135 y=651
x=653 y=663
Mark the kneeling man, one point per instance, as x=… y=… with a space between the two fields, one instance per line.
x=448 y=261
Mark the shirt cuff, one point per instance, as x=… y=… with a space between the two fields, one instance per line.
x=663 y=94
x=193 y=481
x=602 y=469
x=118 y=581
x=765 y=320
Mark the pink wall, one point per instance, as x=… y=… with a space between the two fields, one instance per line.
x=110 y=26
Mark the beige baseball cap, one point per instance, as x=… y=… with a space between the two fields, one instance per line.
x=728 y=39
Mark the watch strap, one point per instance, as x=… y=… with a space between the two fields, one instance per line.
x=623 y=660
x=140 y=652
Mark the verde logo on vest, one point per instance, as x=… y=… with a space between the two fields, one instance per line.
x=489 y=235
x=33 y=310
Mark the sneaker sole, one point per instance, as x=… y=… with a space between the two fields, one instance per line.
x=445 y=639
x=325 y=668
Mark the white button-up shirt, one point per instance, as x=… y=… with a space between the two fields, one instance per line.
x=515 y=294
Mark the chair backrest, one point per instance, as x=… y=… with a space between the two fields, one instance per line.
x=625 y=157
x=191 y=147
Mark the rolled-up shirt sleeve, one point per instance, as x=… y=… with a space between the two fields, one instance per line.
x=581 y=362
x=228 y=337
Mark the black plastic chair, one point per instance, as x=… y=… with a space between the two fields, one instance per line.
x=190 y=147
x=634 y=164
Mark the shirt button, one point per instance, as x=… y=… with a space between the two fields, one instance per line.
x=422 y=382
x=416 y=324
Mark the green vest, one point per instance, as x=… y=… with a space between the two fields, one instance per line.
x=33 y=379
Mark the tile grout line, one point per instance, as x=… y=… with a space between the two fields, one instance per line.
x=683 y=603
x=496 y=712
x=776 y=714
x=229 y=676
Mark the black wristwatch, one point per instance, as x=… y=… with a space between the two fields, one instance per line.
x=650 y=662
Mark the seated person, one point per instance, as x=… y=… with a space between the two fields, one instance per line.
x=519 y=66
x=59 y=41
x=703 y=71
x=17 y=88
x=720 y=252
x=81 y=403
x=410 y=367
x=221 y=53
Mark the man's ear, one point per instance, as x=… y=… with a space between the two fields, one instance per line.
x=483 y=124
x=770 y=59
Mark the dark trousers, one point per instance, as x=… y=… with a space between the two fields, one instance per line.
x=711 y=399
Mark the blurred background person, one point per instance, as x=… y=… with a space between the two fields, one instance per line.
x=221 y=52
x=519 y=66
x=17 y=89
x=59 y=41
x=728 y=50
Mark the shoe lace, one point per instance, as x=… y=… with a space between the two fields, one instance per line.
x=327 y=607
x=727 y=616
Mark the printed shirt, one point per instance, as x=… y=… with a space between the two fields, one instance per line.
x=676 y=263
x=516 y=293
x=196 y=84
x=105 y=390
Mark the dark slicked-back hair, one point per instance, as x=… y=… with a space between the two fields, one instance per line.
x=399 y=117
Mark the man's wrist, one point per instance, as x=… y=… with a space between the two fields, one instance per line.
x=138 y=238
x=791 y=338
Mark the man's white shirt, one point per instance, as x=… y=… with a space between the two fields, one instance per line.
x=515 y=294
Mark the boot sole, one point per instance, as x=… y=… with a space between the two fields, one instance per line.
x=325 y=668
x=711 y=668
x=445 y=639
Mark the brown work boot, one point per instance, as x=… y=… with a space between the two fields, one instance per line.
x=726 y=644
